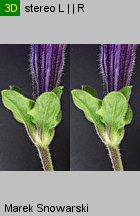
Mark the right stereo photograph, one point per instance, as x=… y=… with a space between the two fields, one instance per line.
x=105 y=107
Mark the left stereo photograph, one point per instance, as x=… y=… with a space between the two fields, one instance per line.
x=34 y=107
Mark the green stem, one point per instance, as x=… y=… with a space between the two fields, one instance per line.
x=45 y=156
x=116 y=160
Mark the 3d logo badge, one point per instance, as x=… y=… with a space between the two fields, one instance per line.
x=9 y=7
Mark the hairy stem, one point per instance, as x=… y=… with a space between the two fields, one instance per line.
x=45 y=156
x=116 y=160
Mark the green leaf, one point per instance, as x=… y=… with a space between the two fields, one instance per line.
x=17 y=89
x=46 y=116
x=126 y=91
x=129 y=116
x=89 y=105
x=109 y=116
x=58 y=91
x=59 y=117
x=118 y=137
x=20 y=106
x=89 y=90
x=113 y=110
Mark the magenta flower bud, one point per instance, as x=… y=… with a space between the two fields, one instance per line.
x=47 y=61
x=117 y=62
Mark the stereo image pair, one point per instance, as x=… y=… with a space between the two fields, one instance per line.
x=69 y=107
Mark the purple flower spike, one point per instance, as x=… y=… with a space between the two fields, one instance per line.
x=47 y=61
x=117 y=61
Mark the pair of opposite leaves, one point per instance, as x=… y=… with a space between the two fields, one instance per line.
x=40 y=117
x=109 y=115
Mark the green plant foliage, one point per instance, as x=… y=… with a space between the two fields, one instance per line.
x=20 y=106
x=109 y=115
x=89 y=105
x=129 y=116
x=89 y=90
x=126 y=91
x=45 y=116
x=58 y=91
x=17 y=89
x=113 y=110
x=40 y=118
